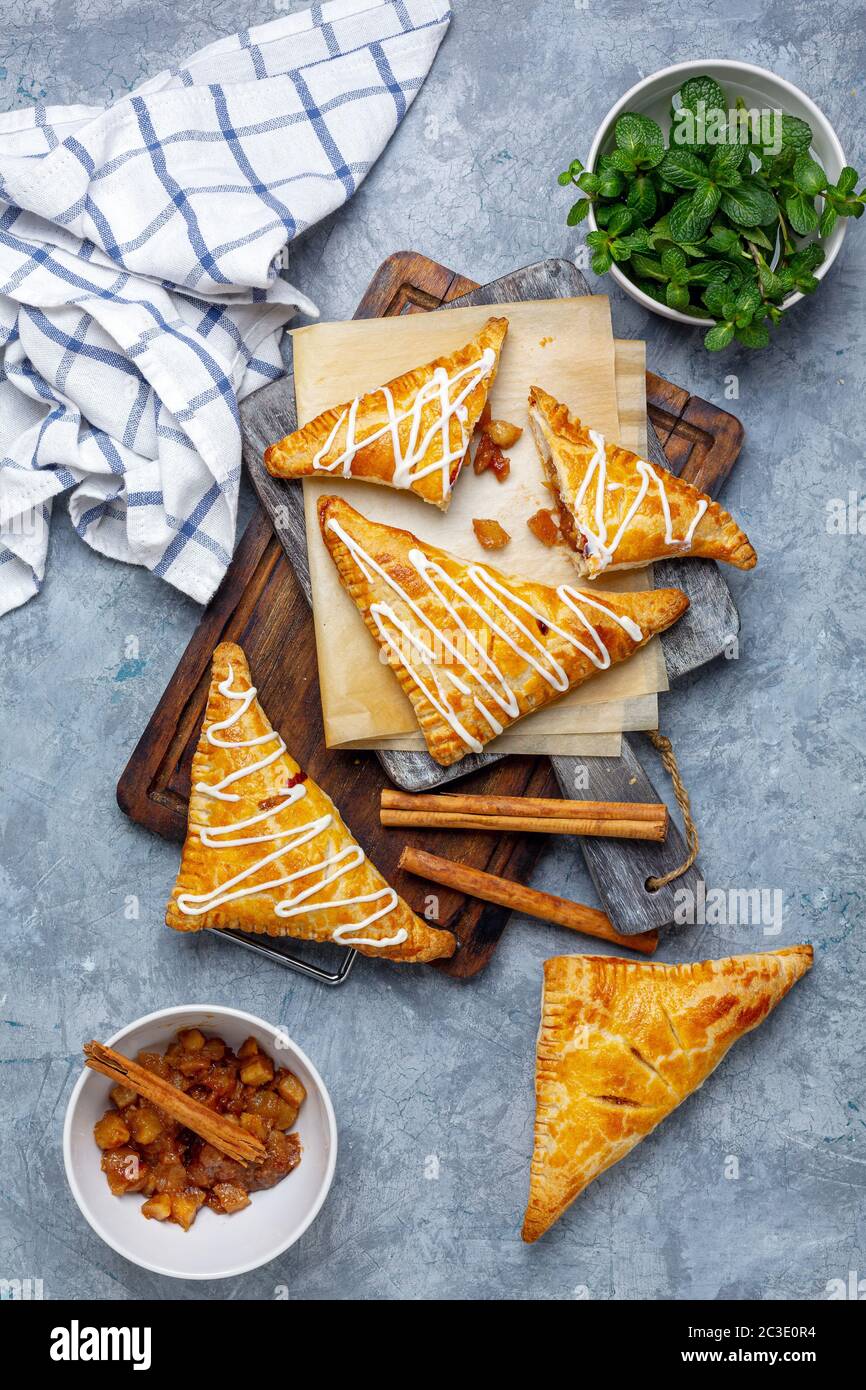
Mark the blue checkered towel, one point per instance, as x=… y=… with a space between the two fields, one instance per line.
x=140 y=295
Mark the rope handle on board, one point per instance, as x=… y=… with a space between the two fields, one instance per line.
x=664 y=748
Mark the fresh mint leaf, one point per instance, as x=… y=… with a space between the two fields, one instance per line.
x=602 y=262
x=769 y=281
x=796 y=134
x=642 y=198
x=620 y=220
x=648 y=267
x=649 y=156
x=683 y=169
x=719 y=337
x=747 y=301
x=753 y=335
x=726 y=159
x=677 y=296
x=847 y=180
x=759 y=238
x=750 y=205
x=620 y=248
x=701 y=274
x=577 y=212
x=802 y=213
x=829 y=217
x=634 y=132
x=691 y=215
x=610 y=184
x=715 y=297
x=638 y=240
x=673 y=260
x=724 y=240
x=654 y=291
x=623 y=161
x=775 y=166
x=807 y=259
x=809 y=176
x=703 y=89
x=588 y=182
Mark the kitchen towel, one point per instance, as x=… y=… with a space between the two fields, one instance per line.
x=140 y=289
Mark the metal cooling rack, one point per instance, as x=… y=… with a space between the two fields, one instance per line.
x=283 y=956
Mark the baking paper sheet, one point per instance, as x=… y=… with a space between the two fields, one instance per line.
x=563 y=345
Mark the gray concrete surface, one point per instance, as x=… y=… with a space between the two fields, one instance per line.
x=772 y=746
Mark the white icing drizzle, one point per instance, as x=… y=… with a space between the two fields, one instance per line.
x=408 y=460
x=494 y=688
x=215 y=837
x=597 y=542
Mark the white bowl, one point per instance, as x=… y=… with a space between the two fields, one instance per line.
x=652 y=97
x=215 y=1247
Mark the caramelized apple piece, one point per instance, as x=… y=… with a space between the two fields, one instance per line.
x=155 y=1062
x=543 y=526
x=290 y=1088
x=110 y=1132
x=489 y=455
x=124 y=1170
x=185 y=1205
x=191 y=1039
x=255 y=1124
x=122 y=1096
x=157 y=1208
x=230 y=1197
x=287 y=1113
x=145 y=1125
x=171 y=1178
x=215 y=1049
x=258 y=1072
x=503 y=433
x=264 y=1103
x=248 y=1048
x=490 y=534
x=193 y=1064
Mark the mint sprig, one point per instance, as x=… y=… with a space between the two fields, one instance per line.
x=725 y=226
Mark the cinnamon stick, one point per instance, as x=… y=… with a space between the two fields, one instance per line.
x=554 y=806
x=222 y=1131
x=536 y=815
x=506 y=893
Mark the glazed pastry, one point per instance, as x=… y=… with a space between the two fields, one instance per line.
x=267 y=851
x=413 y=432
x=621 y=1044
x=618 y=511
x=474 y=649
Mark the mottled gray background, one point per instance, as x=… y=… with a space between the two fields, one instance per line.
x=772 y=746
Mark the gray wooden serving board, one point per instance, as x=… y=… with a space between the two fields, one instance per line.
x=619 y=868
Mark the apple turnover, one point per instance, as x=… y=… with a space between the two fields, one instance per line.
x=622 y=1043
x=616 y=510
x=413 y=432
x=267 y=851
x=474 y=649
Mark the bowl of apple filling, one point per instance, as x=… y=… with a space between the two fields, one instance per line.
x=207 y=1215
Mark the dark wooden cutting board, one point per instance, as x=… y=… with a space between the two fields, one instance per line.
x=262 y=606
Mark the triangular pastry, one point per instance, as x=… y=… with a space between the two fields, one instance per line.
x=267 y=851
x=413 y=432
x=474 y=649
x=616 y=510
x=621 y=1044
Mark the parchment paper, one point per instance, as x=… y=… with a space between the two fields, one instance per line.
x=564 y=345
